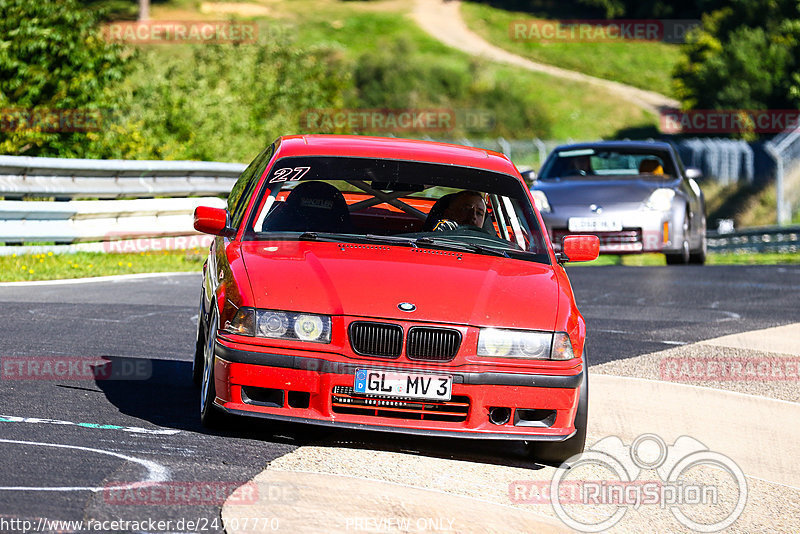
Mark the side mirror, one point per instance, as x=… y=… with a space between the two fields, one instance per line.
x=529 y=176
x=579 y=248
x=212 y=221
x=693 y=173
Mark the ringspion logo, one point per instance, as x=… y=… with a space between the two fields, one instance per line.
x=704 y=490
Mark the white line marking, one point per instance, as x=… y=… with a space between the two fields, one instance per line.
x=111 y=278
x=731 y=316
x=132 y=429
x=611 y=331
x=674 y=342
x=156 y=473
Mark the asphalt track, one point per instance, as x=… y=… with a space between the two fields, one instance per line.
x=65 y=444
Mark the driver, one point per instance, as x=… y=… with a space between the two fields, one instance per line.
x=579 y=166
x=465 y=208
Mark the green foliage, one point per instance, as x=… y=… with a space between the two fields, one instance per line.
x=221 y=102
x=397 y=76
x=611 y=9
x=746 y=56
x=635 y=9
x=52 y=58
x=646 y=65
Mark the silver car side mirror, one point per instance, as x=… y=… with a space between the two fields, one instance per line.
x=693 y=173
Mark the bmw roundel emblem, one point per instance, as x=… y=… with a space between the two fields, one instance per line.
x=406 y=306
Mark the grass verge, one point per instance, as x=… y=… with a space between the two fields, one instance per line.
x=49 y=266
x=29 y=267
x=644 y=64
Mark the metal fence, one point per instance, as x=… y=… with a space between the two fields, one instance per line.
x=785 y=150
x=726 y=161
x=756 y=240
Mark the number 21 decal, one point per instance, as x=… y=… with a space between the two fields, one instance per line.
x=288 y=173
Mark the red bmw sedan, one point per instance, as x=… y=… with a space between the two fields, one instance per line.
x=391 y=285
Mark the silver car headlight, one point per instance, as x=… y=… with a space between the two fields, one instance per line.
x=277 y=324
x=540 y=199
x=501 y=343
x=661 y=199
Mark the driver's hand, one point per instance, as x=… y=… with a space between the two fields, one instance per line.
x=445 y=225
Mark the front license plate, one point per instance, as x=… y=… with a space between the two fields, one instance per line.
x=413 y=386
x=594 y=224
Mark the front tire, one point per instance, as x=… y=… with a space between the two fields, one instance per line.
x=210 y=416
x=699 y=256
x=559 y=452
x=682 y=257
x=199 y=349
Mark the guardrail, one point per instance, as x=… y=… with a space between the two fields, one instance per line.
x=100 y=220
x=785 y=239
x=73 y=221
x=22 y=176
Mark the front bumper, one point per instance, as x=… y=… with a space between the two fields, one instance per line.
x=642 y=230
x=314 y=390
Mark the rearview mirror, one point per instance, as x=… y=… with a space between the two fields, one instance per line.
x=579 y=248
x=212 y=221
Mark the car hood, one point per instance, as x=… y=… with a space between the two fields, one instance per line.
x=371 y=280
x=600 y=190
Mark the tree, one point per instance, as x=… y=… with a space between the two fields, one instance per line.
x=746 y=56
x=55 y=72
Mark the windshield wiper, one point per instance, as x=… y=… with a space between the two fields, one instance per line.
x=466 y=247
x=358 y=238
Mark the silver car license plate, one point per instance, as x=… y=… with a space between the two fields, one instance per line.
x=594 y=224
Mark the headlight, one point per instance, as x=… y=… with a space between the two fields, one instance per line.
x=540 y=199
x=290 y=325
x=514 y=343
x=521 y=344
x=276 y=324
x=661 y=199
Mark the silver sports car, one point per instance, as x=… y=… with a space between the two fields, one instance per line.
x=636 y=196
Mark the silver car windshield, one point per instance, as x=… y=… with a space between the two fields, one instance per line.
x=612 y=163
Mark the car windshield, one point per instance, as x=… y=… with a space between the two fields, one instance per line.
x=405 y=203
x=583 y=162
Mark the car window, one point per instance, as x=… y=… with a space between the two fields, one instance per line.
x=398 y=202
x=601 y=162
x=246 y=184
